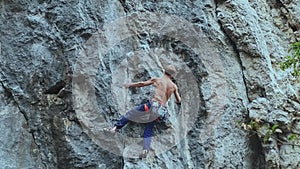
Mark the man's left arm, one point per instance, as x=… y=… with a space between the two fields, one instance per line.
x=140 y=84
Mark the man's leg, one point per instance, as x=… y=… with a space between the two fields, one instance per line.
x=147 y=139
x=148 y=135
x=121 y=123
x=129 y=116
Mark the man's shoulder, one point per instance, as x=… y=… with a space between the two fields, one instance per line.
x=172 y=83
x=154 y=79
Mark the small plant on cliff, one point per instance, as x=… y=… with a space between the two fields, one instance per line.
x=270 y=132
x=294 y=138
x=293 y=60
x=266 y=131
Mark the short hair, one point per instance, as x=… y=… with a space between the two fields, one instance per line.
x=170 y=70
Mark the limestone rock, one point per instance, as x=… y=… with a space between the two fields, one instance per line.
x=64 y=63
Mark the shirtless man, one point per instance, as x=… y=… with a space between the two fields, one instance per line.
x=164 y=88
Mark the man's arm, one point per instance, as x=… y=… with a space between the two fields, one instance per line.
x=177 y=96
x=141 y=84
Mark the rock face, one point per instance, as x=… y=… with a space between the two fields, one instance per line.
x=63 y=64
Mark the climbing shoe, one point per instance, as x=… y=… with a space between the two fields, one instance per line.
x=144 y=154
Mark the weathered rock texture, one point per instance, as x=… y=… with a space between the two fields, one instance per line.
x=62 y=64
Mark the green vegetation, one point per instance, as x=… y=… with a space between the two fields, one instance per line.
x=266 y=131
x=293 y=60
x=270 y=132
x=293 y=138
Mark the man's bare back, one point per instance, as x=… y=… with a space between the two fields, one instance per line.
x=164 y=87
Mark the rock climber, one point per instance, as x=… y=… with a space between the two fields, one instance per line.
x=156 y=107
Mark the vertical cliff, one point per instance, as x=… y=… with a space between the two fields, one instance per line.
x=63 y=64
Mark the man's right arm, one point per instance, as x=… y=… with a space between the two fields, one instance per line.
x=177 y=96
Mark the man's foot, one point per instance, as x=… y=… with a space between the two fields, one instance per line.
x=144 y=154
x=110 y=130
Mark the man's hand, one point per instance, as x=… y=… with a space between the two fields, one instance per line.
x=127 y=85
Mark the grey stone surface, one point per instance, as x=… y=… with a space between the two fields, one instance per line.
x=63 y=64
x=18 y=149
